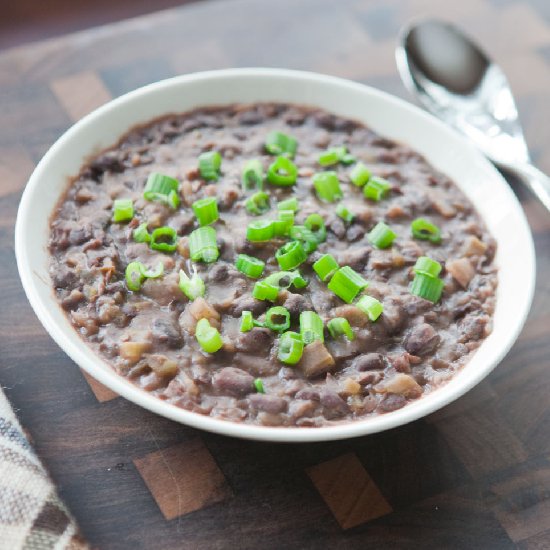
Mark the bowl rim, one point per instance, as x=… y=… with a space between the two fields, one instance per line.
x=355 y=428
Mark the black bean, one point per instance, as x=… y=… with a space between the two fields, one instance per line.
x=421 y=340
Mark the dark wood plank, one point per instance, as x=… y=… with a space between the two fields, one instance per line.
x=473 y=475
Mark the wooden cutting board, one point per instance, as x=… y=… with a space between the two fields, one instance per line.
x=475 y=475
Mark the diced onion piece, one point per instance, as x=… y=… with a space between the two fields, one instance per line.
x=381 y=236
x=123 y=210
x=193 y=287
x=347 y=283
x=209 y=165
x=291 y=348
x=311 y=327
x=370 y=306
x=208 y=337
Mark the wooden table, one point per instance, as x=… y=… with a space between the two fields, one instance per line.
x=475 y=475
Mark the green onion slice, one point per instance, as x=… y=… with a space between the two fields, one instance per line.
x=339 y=326
x=210 y=164
x=427 y=287
x=311 y=327
x=327 y=186
x=344 y=213
x=250 y=266
x=283 y=279
x=247 y=321
x=291 y=348
x=277 y=318
x=282 y=225
x=370 y=306
x=164 y=239
x=346 y=283
x=425 y=230
x=376 y=189
x=208 y=337
x=257 y=204
x=316 y=224
x=253 y=176
x=381 y=236
x=289 y=204
x=264 y=291
x=206 y=210
x=305 y=236
x=335 y=155
x=141 y=235
x=161 y=188
x=203 y=246
x=282 y=172
x=136 y=273
x=427 y=266
x=123 y=210
x=325 y=267
x=359 y=174
x=259 y=385
x=291 y=255
x=260 y=231
x=192 y=287
x=277 y=143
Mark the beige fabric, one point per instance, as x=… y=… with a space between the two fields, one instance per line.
x=31 y=515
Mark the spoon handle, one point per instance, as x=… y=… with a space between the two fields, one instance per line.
x=537 y=181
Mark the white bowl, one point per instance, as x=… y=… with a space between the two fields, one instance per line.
x=389 y=116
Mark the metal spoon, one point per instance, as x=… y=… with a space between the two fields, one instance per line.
x=454 y=79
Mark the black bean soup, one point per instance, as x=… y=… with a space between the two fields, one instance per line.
x=273 y=264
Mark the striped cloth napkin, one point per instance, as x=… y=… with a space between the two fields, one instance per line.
x=31 y=515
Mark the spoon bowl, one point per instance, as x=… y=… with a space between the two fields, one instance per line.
x=454 y=79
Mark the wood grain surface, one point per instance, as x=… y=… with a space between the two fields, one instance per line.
x=475 y=475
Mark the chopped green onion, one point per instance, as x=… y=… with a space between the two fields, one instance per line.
x=305 y=236
x=289 y=204
x=359 y=175
x=206 y=210
x=253 y=175
x=327 y=186
x=340 y=326
x=250 y=266
x=370 y=306
x=381 y=236
x=208 y=337
x=282 y=172
x=282 y=225
x=203 y=246
x=258 y=203
x=291 y=255
x=334 y=156
x=136 y=273
x=247 y=321
x=162 y=188
x=265 y=291
x=344 y=213
x=141 y=235
x=347 y=283
x=277 y=143
x=283 y=279
x=311 y=327
x=259 y=385
x=164 y=239
x=277 y=318
x=427 y=287
x=192 y=287
x=209 y=165
x=425 y=230
x=123 y=210
x=316 y=224
x=260 y=231
x=376 y=189
x=325 y=267
x=427 y=266
x=291 y=348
